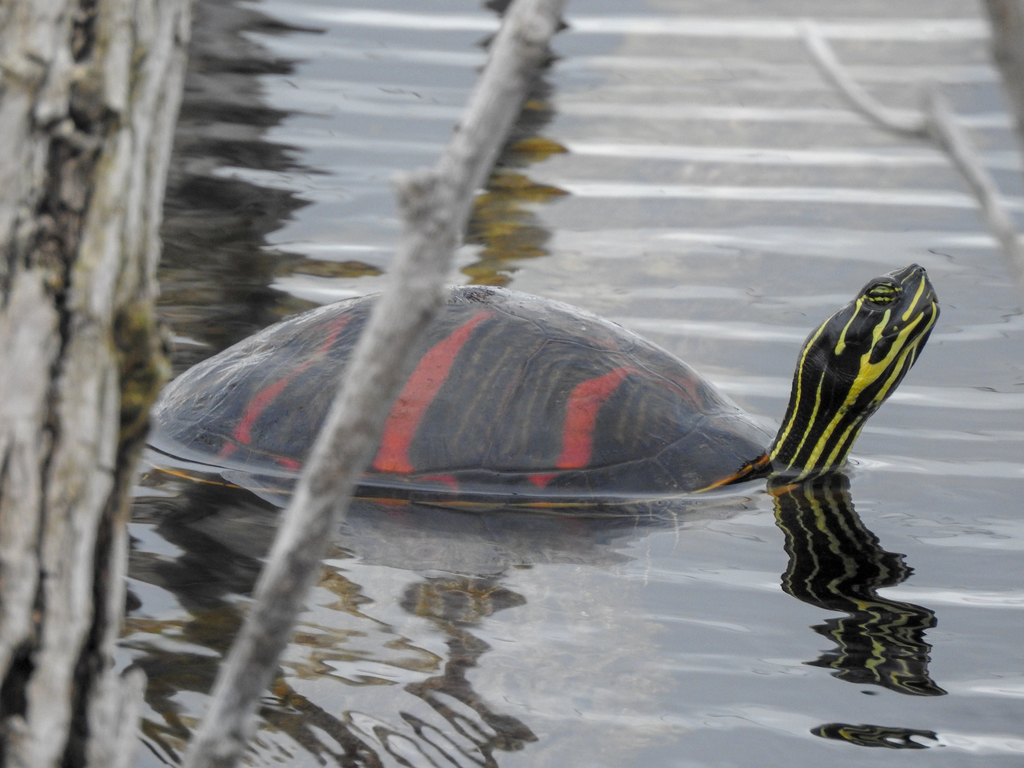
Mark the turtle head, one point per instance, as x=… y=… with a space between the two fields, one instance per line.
x=848 y=367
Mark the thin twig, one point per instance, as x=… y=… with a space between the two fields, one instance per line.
x=899 y=121
x=946 y=130
x=1007 y=21
x=436 y=205
x=937 y=123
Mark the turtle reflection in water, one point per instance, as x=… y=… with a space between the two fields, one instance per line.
x=836 y=563
x=524 y=402
x=432 y=717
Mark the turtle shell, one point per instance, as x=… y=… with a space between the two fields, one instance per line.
x=514 y=397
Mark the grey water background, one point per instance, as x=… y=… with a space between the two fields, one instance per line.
x=715 y=196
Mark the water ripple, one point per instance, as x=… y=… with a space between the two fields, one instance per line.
x=927 y=397
x=813 y=115
x=760 y=332
x=832 y=195
x=919 y=30
x=959 y=597
x=902 y=157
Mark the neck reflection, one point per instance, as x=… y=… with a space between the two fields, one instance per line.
x=836 y=563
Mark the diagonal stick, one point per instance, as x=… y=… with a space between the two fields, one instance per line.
x=436 y=204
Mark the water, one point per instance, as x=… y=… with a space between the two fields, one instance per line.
x=716 y=197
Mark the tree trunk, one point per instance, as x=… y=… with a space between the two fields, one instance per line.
x=88 y=98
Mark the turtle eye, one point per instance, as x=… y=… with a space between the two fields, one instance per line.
x=882 y=294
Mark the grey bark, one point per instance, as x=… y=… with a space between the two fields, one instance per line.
x=435 y=205
x=1007 y=18
x=89 y=91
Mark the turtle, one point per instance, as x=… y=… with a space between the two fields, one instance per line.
x=517 y=399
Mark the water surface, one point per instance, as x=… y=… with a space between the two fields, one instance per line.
x=681 y=169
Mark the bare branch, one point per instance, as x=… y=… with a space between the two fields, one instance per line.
x=436 y=204
x=937 y=123
x=898 y=121
x=1007 y=17
x=946 y=130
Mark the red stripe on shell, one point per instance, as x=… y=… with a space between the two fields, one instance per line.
x=242 y=433
x=419 y=391
x=581 y=410
x=541 y=481
x=448 y=480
